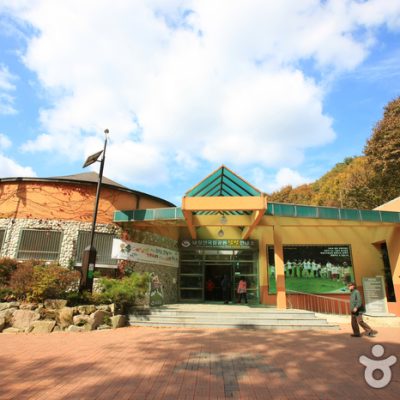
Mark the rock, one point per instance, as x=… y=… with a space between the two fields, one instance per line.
x=28 y=306
x=103 y=307
x=80 y=319
x=2 y=323
x=118 y=321
x=65 y=316
x=57 y=329
x=11 y=304
x=48 y=313
x=13 y=330
x=99 y=317
x=7 y=314
x=103 y=327
x=55 y=304
x=23 y=319
x=44 y=326
x=87 y=309
x=74 y=328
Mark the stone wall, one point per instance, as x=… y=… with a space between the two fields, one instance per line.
x=54 y=315
x=69 y=229
x=167 y=275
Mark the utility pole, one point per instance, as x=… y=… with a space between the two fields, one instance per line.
x=90 y=253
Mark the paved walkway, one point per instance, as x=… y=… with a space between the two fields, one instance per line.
x=168 y=363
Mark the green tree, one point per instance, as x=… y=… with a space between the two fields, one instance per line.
x=383 y=155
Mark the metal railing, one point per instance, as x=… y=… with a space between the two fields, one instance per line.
x=317 y=303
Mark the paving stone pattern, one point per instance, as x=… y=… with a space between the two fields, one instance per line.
x=181 y=364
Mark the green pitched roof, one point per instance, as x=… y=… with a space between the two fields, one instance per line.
x=223 y=182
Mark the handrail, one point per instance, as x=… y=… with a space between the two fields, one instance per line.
x=318 y=303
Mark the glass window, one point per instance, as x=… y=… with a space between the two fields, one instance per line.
x=102 y=243
x=245 y=268
x=192 y=255
x=244 y=255
x=39 y=244
x=188 y=281
x=191 y=268
x=191 y=294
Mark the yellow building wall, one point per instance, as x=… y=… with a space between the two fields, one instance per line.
x=366 y=257
x=363 y=238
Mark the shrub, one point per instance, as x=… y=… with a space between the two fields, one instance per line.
x=34 y=281
x=123 y=292
x=7 y=267
x=52 y=281
x=5 y=294
x=75 y=298
x=21 y=280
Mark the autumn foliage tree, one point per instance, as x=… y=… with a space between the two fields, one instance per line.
x=383 y=154
x=363 y=182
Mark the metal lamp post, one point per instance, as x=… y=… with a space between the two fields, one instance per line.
x=90 y=253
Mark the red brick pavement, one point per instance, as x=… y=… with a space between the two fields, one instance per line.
x=168 y=364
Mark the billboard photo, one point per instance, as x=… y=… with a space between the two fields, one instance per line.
x=313 y=268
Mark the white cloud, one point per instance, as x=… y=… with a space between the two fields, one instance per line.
x=6 y=86
x=5 y=142
x=283 y=177
x=182 y=82
x=9 y=168
x=287 y=176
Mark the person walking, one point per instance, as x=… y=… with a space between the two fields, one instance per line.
x=226 y=287
x=357 y=309
x=242 y=290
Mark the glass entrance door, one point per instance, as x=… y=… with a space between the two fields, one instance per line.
x=191 y=280
x=201 y=273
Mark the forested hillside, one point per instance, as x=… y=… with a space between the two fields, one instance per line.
x=362 y=182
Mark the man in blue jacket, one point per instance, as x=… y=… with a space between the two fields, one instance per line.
x=357 y=309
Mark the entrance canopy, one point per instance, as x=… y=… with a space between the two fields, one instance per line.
x=224 y=193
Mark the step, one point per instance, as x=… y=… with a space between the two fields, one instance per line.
x=240 y=326
x=217 y=315
x=231 y=321
x=222 y=316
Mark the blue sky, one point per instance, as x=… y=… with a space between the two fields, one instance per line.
x=277 y=91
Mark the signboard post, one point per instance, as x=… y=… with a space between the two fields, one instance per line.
x=375 y=296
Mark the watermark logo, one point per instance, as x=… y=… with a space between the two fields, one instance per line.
x=382 y=365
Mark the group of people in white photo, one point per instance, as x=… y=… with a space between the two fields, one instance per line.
x=308 y=268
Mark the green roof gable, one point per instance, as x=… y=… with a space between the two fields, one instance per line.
x=223 y=182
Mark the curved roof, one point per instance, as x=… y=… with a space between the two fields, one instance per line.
x=90 y=178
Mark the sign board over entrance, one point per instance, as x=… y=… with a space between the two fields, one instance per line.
x=374 y=295
x=220 y=243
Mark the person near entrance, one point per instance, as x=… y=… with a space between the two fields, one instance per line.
x=357 y=309
x=210 y=288
x=242 y=290
x=226 y=288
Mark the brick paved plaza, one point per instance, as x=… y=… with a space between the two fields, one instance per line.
x=169 y=363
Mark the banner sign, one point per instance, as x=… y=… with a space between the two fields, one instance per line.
x=374 y=295
x=220 y=243
x=144 y=253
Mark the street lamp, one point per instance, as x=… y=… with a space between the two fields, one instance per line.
x=89 y=254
